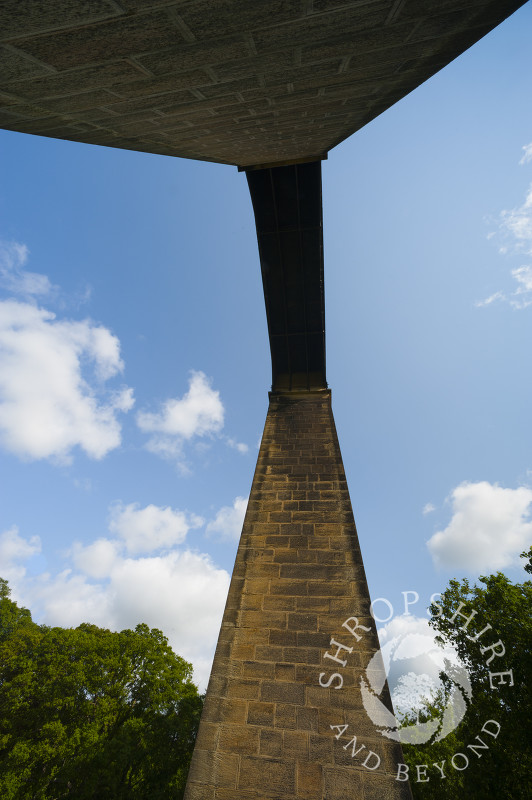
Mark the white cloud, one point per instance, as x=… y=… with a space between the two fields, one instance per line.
x=199 y=412
x=14 y=547
x=52 y=392
x=13 y=276
x=491 y=299
x=97 y=559
x=67 y=599
x=240 y=446
x=183 y=593
x=403 y=624
x=144 y=530
x=229 y=520
x=527 y=155
x=490 y=526
x=428 y=508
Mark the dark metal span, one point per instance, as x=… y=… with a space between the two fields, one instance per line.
x=288 y=216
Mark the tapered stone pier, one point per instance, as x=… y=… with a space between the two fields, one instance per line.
x=266 y=726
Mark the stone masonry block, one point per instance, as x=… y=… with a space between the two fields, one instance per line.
x=199 y=792
x=283 y=638
x=239 y=739
x=285 y=716
x=207 y=738
x=244 y=689
x=307 y=719
x=295 y=744
x=321 y=749
x=214 y=768
x=219 y=710
x=290 y=588
x=258 y=669
x=285 y=672
x=279 y=603
x=260 y=714
x=251 y=602
x=271 y=743
x=302 y=622
x=309 y=781
x=285 y=692
x=342 y=783
x=377 y=787
x=273 y=776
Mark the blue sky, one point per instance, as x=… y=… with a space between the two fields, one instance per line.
x=129 y=421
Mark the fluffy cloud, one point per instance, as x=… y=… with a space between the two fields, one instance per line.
x=490 y=526
x=52 y=384
x=13 y=276
x=98 y=558
x=109 y=584
x=151 y=528
x=228 y=522
x=199 y=412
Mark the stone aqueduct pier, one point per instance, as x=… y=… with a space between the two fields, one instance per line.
x=270 y=87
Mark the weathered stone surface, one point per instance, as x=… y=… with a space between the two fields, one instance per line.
x=277 y=630
x=298 y=76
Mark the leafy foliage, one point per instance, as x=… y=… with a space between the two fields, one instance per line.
x=89 y=713
x=503 y=770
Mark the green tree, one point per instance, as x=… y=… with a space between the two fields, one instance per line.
x=90 y=713
x=496 y=647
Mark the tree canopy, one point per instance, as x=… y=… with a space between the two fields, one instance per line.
x=490 y=626
x=90 y=713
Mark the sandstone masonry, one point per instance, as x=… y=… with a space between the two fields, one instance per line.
x=265 y=730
